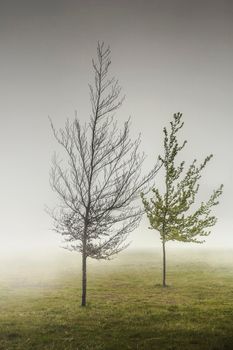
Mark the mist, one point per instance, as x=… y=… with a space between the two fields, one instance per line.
x=168 y=58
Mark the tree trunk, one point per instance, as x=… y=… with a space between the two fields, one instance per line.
x=164 y=264
x=84 y=278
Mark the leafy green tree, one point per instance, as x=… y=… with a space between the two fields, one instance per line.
x=169 y=213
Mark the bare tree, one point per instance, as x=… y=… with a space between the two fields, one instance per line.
x=101 y=181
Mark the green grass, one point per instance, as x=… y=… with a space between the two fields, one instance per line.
x=127 y=307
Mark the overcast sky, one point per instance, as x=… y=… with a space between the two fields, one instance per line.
x=169 y=56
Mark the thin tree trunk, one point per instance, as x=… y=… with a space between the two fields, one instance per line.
x=84 y=277
x=164 y=264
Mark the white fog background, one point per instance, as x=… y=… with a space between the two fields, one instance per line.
x=169 y=56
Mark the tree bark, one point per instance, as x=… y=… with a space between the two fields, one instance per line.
x=164 y=264
x=84 y=278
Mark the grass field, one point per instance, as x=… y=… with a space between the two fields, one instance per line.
x=127 y=307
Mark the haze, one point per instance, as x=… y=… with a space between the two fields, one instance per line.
x=169 y=56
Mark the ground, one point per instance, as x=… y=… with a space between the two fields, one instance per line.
x=127 y=306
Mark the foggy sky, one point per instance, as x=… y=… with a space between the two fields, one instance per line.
x=169 y=56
